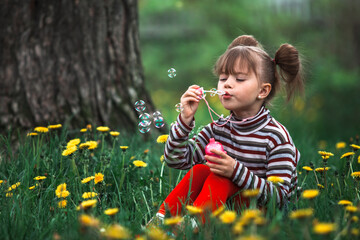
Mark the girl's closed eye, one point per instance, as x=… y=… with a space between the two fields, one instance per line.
x=240 y=79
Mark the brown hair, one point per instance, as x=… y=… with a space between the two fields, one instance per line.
x=252 y=56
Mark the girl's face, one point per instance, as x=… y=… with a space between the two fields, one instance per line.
x=244 y=93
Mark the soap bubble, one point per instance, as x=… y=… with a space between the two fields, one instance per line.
x=145 y=122
x=213 y=92
x=140 y=106
x=179 y=107
x=144 y=116
x=157 y=114
x=143 y=127
x=159 y=122
x=172 y=73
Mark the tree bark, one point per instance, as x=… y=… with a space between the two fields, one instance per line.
x=70 y=61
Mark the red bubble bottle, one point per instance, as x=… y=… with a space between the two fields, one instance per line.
x=213 y=145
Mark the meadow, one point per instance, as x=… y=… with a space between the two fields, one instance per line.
x=97 y=183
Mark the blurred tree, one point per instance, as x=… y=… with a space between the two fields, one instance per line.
x=70 y=61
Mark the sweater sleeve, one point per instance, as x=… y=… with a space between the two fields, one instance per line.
x=281 y=162
x=182 y=152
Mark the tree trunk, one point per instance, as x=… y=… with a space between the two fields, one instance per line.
x=70 y=61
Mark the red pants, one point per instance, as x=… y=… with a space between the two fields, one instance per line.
x=201 y=188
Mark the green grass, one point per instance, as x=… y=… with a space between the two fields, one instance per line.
x=137 y=192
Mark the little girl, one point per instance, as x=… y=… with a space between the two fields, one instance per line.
x=256 y=145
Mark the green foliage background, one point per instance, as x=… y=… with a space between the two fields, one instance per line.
x=190 y=35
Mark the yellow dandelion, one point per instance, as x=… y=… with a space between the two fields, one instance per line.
x=116 y=231
x=162 y=158
x=73 y=142
x=88 y=179
x=324 y=228
x=61 y=187
x=124 y=148
x=194 y=210
x=41 y=129
x=55 y=126
x=251 y=237
x=250 y=193
x=218 y=211
x=156 y=234
x=238 y=227
x=99 y=177
x=89 y=195
x=9 y=194
x=351 y=209
x=356 y=174
x=1 y=181
x=260 y=221
x=88 y=221
x=14 y=186
x=340 y=145
x=32 y=134
x=275 y=179
x=63 y=194
x=354 y=231
x=88 y=204
x=310 y=193
x=62 y=204
x=348 y=154
x=139 y=163
x=92 y=145
x=162 y=138
x=103 y=129
x=306 y=168
x=114 y=133
x=354 y=219
x=249 y=214
x=302 y=213
x=83 y=130
x=89 y=126
x=323 y=153
x=39 y=178
x=132 y=158
x=69 y=151
x=345 y=202
x=355 y=147
x=32 y=187
x=320 y=186
x=173 y=221
x=84 y=145
x=321 y=169
x=227 y=217
x=111 y=211
x=359 y=159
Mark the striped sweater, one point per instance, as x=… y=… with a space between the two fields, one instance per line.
x=261 y=146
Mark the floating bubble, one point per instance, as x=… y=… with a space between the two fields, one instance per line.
x=145 y=122
x=140 y=106
x=179 y=107
x=157 y=114
x=159 y=122
x=213 y=92
x=143 y=128
x=172 y=73
x=144 y=116
x=220 y=92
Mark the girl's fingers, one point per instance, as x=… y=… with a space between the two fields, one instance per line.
x=218 y=152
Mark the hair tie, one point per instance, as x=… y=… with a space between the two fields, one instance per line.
x=273 y=60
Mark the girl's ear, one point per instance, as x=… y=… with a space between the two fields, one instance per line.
x=264 y=90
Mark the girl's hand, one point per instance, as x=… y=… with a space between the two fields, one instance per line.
x=223 y=166
x=190 y=102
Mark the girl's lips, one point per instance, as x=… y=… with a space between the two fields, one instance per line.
x=227 y=95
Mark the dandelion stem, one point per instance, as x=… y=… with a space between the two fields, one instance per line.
x=317 y=180
x=147 y=206
x=303 y=180
x=337 y=180
x=161 y=176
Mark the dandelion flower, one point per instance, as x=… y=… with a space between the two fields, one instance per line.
x=41 y=129
x=88 y=179
x=39 y=178
x=238 y=227
x=323 y=153
x=250 y=193
x=218 y=211
x=61 y=191
x=162 y=158
x=14 y=186
x=69 y=151
x=55 y=126
x=355 y=219
x=61 y=187
x=310 y=193
x=73 y=142
x=111 y=211
x=249 y=214
x=321 y=169
x=324 y=228
x=88 y=221
x=355 y=231
x=124 y=148
x=320 y=186
x=260 y=221
x=351 y=209
x=32 y=187
x=88 y=203
x=139 y=163
x=89 y=195
x=83 y=130
x=63 y=194
x=173 y=221
x=93 y=144
x=345 y=202
x=62 y=204
x=9 y=194
x=146 y=151
x=103 y=129
x=162 y=138
x=89 y=126
x=194 y=210
x=114 y=133
x=116 y=231
x=359 y=159
x=32 y=134
x=302 y=213
x=251 y=237
x=156 y=233
x=348 y=154
x=275 y=179
x=307 y=168
x=99 y=177
x=228 y=217
x=340 y=145
x=355 y=147
x=356 y=174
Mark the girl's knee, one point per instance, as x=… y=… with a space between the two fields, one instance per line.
x=200 y=168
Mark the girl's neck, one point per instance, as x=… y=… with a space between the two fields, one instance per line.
x=247 y=114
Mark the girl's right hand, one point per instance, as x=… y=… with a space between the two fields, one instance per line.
x=190 y=102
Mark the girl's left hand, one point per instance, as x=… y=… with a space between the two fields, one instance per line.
x=223 y=166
